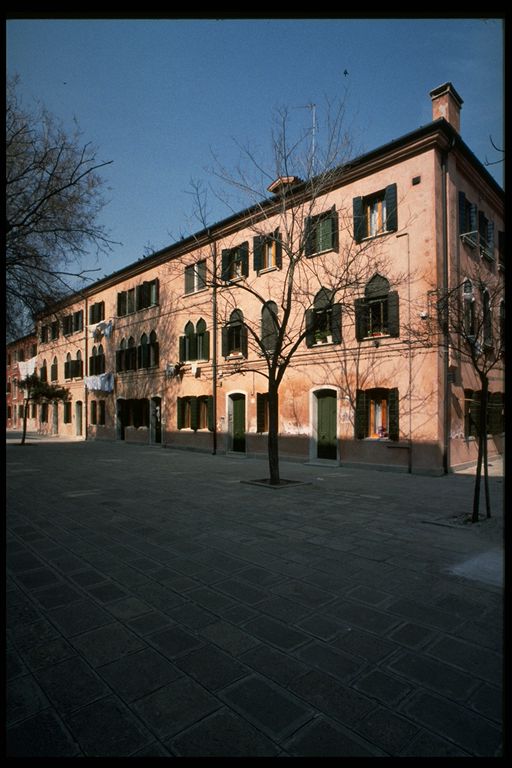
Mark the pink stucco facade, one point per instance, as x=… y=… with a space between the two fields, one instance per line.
x=391 y=395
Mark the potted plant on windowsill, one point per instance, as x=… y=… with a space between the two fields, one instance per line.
x=322 y=337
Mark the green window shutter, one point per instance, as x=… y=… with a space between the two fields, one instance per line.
x=361 y=415
x=210 y=413
x=226 y=263
x=490 y=237
x=261 y=405
x=336 y=323
x=393 y=314
x=257 y=245
x=309 y=236
x=279 y=249
x=310 y=327
x=391 y=208
x=154 y=292
x=225 y=341
x=189 y=279
x=179 y=412
x=182 y=349
x=473 y=218
x=139 y=296
x=194 y=412
x=463 y=224
x=243 y=340
x=244 y=254
x=394 y=432
x=361 y=319
x=335 y=231
x=359 y=219
x=201 y=274
x=206 y=345
x=121 y=303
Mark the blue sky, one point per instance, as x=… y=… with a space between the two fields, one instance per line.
x=157 y=96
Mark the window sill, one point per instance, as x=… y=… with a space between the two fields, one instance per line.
x=320 y=253
x=194 y=293
x=265 y=270
x=377 y=235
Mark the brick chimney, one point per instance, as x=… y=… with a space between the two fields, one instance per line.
x=446 y=103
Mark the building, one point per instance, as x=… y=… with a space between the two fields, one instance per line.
x=173 y=350
x=21 y=356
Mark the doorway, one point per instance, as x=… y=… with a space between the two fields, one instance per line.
x=156 y=419
x=326 y=422
x=55 y=421
x=78 y=417
x=237 y=422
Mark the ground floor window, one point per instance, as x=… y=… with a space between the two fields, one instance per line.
x=44 y=413
x=495 y=413
x=34 y=411
x=195 y=412
x=377 y=414
x=262 y=412
x=67 y=413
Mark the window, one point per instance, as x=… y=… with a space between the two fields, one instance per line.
x=377 y=314
x=235 y=262
x=44 y=412
x=468 y=218
x=195 y=277
x=375 y=214
x=471 y=413
x=67 y=325
x=44 y=334
x=234 y=335
x=487 y=319
x=468 y=309
x=501 y=250
x=54 y=370
x=154 y=357
x=97 y=312
x=131 y=355
x=67 y=412
x=97 y=361
x=495 y=413
x=141 y=297
x=202 y=341
x=321 y=233
x=33 y=350
x=377 y=414
x=94 y=412
x=267 y=252
x=323 y=320
x=21 y=355
x=78 y=321
x=73 y=368
x=55 y=330
x=43 y=374
x=143 y=352
x=33 y=411
x=269 y=326
x=262 y=412
x=101 y=413
x=486 y=236
x=195 y=344
x=121 y=356
x=195 y=412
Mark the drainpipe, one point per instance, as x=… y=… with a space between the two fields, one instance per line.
x=214 y=348
x=446 y=314
x=409 y=343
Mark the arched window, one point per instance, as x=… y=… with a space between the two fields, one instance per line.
x=131 y=355
x=377 y=314
x=121 y=356
x=143 y=352
x=234 y=335
x=43 y=374
x=202 y=341
x=269 y=326
x=153 y=350
x=67 y=366
x=487 y=318
x=323 y=320
x=78 y=370
x=54 y=370
x=468 y=310
x=100 y=360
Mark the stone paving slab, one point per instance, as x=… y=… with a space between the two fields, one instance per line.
x=193 y=615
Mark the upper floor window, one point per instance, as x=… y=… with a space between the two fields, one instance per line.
x=375 y=214
x=377 y=314
x=73 y=369
x=321 y=233
x=97 y=361
x=54 y=330
x=486 y=235
x=267 y=252
x=235 y=262
x=73 y=323
x=144 y=295
x=97 y=312
x=43 y=373
x=44 y=334
x=234 y=335
x=468 y=310
x=269 y=326
x=21 y=355
x=195 y=277
x=323 y=320
x=487 y=318
x=54 y=370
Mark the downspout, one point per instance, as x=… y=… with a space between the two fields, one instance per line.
x=214 y=349
x=86 y=369
x=446 y=313
x=409 y=344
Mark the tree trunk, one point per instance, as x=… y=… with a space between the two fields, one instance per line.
x=482 y=440
x=273 y=435
x=25 y=416
x=485 y=400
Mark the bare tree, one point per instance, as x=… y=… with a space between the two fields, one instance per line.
x=38 y=391
x=53 y=199
x=305 y=239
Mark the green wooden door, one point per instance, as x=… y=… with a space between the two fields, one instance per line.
x=238 y=405
x=326 y=425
